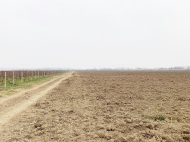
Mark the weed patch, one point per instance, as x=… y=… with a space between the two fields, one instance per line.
x=155 y=118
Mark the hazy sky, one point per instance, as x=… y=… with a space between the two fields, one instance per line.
x=94 y=33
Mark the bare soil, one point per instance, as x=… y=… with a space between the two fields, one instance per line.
x=108 y=106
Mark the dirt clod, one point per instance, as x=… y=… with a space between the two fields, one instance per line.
x=128 y=120
x=101 y=134
x=37 y=125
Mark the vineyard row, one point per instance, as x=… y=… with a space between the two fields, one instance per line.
x=13 y=77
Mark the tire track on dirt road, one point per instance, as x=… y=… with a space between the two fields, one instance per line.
x=13 y=105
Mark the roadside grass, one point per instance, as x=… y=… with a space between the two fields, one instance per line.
x=27 y=83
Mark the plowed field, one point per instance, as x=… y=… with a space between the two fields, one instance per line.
x=108 y=106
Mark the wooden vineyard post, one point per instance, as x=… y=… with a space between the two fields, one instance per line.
x=32 y=74
x=21 y=76
x=28 y=77
x=5 y=79
x=44 y=73
x=13 y=78
x=38 y=74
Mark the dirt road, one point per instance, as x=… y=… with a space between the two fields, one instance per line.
x=13 y=105
x=108 y=106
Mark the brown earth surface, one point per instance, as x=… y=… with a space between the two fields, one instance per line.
x=108 y=106
x=14 y=104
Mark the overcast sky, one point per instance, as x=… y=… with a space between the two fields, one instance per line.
x=94 y=33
